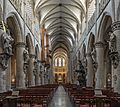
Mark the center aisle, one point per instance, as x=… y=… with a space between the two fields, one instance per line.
x=60 y=99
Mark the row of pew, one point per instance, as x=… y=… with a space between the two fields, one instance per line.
x=37 y=96
x=89 y=97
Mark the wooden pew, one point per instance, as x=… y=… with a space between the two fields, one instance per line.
x=40 y=95
x=86 y=97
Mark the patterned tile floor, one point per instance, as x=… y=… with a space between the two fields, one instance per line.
x=60 y=99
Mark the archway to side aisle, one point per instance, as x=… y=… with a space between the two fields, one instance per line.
x=15 y=69
x=104 y=50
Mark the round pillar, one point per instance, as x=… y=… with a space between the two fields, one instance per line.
x=100 y=76
x=37 y=72
x=90 y=71
x=31 y=77
x=20 y=75
x=115 y=61
x=2 y=81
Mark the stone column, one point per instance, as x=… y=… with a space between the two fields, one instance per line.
x=6 y=42
x=37 y=72
x=100 y=76
x=2 y=80
x=31 y=77
x=8 y=76
x=38 y=75
x=115 y=62
x=108 y=72
x=51 y=77
x=90 y=71
x=46 y=75
x=70 y=70
x=68 y=73
x=2 y=72
x=42 y=75
x=20 y=75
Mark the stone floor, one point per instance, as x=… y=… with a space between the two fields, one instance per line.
x=60 y=99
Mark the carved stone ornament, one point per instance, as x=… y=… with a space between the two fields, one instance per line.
x=4 y=61
x=26 y=61
x=114 y=56
x=116 y=26
x=26 y=56
x=81 y=75
x=94 y=62
x=25 y=67
x=112 y=42
x=85 y=62
x=7 y=41
x=35 y=67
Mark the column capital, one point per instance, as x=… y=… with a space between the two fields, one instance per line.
x=99 y=44
x=20 y=44
x=115 y=26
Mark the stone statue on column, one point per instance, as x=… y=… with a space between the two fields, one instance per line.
x=94 y=62
x=6 y=43
x=4 y=61
x=40 y=74
x=26 y=56
x=81 y=75
x=26 y=63
x=114 y=55
x=36 y=71
x=35 y=67
x=112 y=42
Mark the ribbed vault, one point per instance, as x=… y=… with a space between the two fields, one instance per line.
x=61 y=19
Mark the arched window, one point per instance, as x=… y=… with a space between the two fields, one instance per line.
x=63 y=62
x=55 y=62
x=60 y=62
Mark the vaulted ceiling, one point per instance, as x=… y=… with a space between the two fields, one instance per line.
x=61 y=19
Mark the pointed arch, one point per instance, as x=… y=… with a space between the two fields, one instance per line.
x=105 y=24
x=15 y=23
x=37 y=52
x=29 y=43
x=91 y=42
